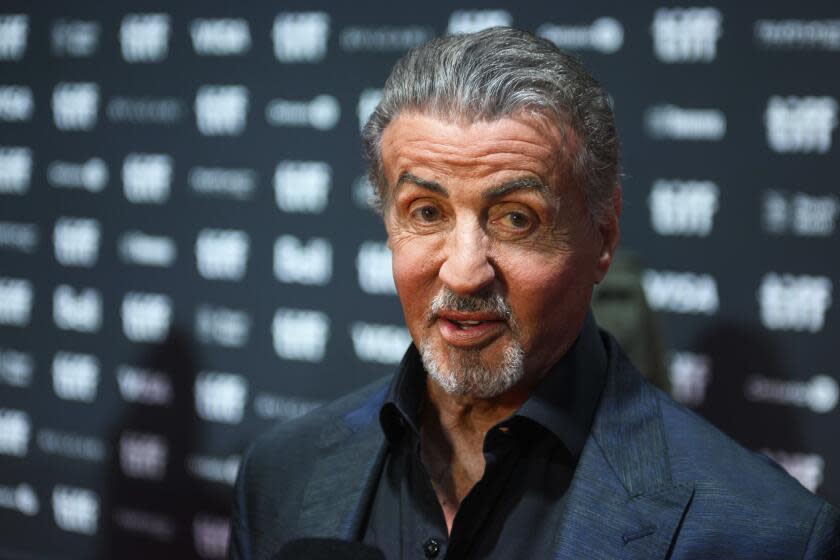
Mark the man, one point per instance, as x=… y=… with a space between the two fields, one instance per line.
x=513 y=428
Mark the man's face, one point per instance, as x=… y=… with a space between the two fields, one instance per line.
x=494 y=255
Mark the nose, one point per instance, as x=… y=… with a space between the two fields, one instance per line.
x=467 y=269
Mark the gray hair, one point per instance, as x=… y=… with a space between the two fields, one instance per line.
x=497 y=73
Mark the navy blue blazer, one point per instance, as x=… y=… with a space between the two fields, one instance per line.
x=654 y=481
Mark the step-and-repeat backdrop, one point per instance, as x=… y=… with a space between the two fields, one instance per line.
x=187 y=256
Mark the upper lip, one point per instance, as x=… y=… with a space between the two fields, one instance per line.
x=460 y=316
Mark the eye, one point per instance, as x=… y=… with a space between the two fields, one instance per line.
x=517 y=220
x=512 y=221
x=426 y=213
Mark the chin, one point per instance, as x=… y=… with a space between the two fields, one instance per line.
x=466 y=373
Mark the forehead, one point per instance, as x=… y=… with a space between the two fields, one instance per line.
x=518 y=144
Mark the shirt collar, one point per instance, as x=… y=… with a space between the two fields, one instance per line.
x=563 y=402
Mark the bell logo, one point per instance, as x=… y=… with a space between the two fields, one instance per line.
x=16 y=368
x=220 y=397
x=15 y=430
x=91 y=175
x=797 y=303
x=807 y=468
x=686 y=34
x=368 y=101
x=21 y=498
x=302 y=186
x=238 y=184
x=77 y=311
x=14 y=30
x=221 y=110
x=683 y=207
x=144 y=37
x=75 y=105
x=75 y=376
x=300 y=334
x=211 y=535
x=222 y=254
x=144 y=386
x=15 y=301
x=680 y=292
x=301 y=36
x=668 y=122
x=147 y=178
x=146 y=317
x=689 y=375
x=471 y=21
x=136 y=247
x=307 y=263
x=381 y=344
x=213 y=469
x=820 y=394
x=801 y=214
x=143 y=455
x=219 y=325
x=800 y=124
x=75 y=38
x=321 y=113
x=17 y=236
x=15 y=169
x=373 y=268
x=605 y=35
x=798 y=34
x=76 y=241
x=220 y=37
x=16 y=103
x=75 y=509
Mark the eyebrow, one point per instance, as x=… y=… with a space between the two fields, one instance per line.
x=521 y=183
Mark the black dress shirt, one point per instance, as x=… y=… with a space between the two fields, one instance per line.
x=515 y=510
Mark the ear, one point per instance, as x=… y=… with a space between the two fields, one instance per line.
x=610 y=233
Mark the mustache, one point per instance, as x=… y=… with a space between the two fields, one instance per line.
x=446 y=300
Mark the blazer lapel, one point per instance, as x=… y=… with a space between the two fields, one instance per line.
x=622 y=502
x=345 y=474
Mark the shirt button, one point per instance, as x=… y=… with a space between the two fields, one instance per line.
x=431 y=548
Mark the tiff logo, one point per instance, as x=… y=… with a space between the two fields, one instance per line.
x=15 y=430
x=143 y=455
x=300 y=36
x=300 y=334
x=76 y=241
x=136 y=247
x=75 y=376
x=220 y=397
x=220 y=37
x=75 y=105
x=669 y=122
x=147 y=178
x=222 y=254
x=683 y=207
x=373 y=267
x=91 y=175
x=681 y=292
x=689 y=374
x=307 y=263
x=221 y=110
x=14 y=30
x=219 y=325
x=75 y=38
x=146 y=317
x=797 y=303
x=16 y=368
x=382 y=344
x=302 y=186
x=75 y=509
x=15 y=301
x=16 y=104
x=364 y=195
x=369 y=98
x=77 y=310
x=605 y=35
x=15 y=169
x=144 y=386
x=211 y=535
x=144 y=37
x=800 y=124
x=801 y=214
x=686 y=34
x=471 y=21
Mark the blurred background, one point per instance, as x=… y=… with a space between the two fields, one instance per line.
x=187 y=255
